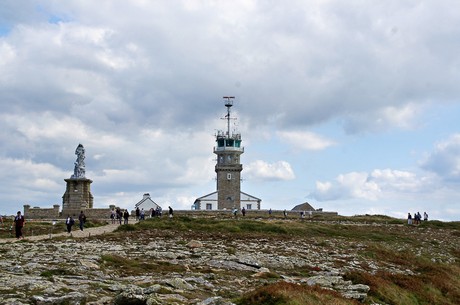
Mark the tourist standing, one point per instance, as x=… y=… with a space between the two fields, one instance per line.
x=69 y=222
x=119 y=215
x=285 y=214
x=243 y=211
x=142 y=214
x=409 y=219
x=270 y=213
x=138 y=213
x=82 y=220
x=425 y=216
x=235 y=211
x=112 y=216
x=19 y=222
x=171 y=212
x=126 y=216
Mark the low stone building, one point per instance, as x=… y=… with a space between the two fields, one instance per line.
x=146 y=203
x=210 y=202
x=303 y=207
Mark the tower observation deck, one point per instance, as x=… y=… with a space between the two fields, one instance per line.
x=225 y=140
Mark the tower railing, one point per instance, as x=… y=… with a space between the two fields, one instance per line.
x=228 y=148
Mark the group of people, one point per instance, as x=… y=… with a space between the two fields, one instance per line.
x=417 y=218
x=119 y=216
x=123 y=216
x=156 y=212
x=69 y=222
x=19 y=222
x=140 y=213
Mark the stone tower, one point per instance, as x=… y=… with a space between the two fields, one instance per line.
x=228 y=167
x=77 y=196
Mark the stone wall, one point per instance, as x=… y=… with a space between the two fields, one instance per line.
x=40 y=213
x=54 y=213
x=98 y=213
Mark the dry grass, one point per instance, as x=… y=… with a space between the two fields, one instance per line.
x=437 y=284
x=283 y=293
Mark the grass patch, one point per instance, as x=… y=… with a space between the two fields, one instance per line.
x=452 y=225
x=272 y=228
x=127 y=228
x=49 y=274
x=282 y=293
x=438 y=284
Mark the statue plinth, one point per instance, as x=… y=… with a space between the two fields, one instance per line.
x=77 y=196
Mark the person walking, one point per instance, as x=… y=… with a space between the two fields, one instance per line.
x=69 y=222
x=19 y=222
x=82 y=220
x=243 y=211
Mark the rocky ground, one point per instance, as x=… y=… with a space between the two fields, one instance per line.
x=175 y=267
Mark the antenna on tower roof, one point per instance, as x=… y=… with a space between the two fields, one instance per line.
x=228 y=104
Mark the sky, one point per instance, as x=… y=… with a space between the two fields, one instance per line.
x=351 y=106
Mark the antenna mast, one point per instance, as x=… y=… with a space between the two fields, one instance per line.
x=228 y=104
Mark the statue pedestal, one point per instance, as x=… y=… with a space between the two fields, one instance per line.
x=77 y=196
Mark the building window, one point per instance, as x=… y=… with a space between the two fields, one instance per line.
x=229 y=176
x=208 y=206
x=249 y=206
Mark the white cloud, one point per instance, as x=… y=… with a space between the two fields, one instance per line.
x=139 y=83
x=445 y=159
x=305 y=140
x=378 y=184
x=28 y=182
x=388 y=117
x=261 y=170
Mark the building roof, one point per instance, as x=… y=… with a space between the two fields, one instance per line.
x=303 y=207
x=210 y=196
x=246 y=197
x=146 y=201
x=213 y=196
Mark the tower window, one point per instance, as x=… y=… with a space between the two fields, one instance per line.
x=220 y=142
x=229 y=176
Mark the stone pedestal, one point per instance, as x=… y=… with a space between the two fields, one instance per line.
x=77 y=196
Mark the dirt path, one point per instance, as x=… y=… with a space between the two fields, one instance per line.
x=87 y=232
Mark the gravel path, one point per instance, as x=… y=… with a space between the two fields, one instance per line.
x=76 y=233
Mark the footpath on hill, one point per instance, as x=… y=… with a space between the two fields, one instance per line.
x=76 y=233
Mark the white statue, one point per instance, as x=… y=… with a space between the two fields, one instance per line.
x=79 y=170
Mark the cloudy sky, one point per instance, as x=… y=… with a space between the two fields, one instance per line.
x=352 y=106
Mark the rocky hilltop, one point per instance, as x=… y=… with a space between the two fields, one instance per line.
x=225 y=261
